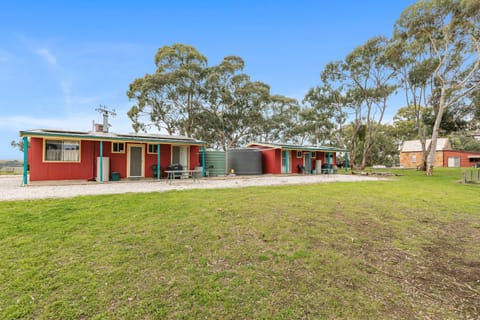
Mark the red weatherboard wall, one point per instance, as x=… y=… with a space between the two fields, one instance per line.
x=463 y=155
x=118 y=161
x=294 y=161
x=151 y=159
x=272 y=160
x=90 y=150
x=269 y=160
x=40 y=170
x=194 y=157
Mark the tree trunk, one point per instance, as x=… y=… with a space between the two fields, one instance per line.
x=436 y=126
x=425 y=154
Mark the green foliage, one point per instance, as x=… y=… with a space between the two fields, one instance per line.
x=462 y=142
x=441 y=38
x=360 y=85
x=453 y=120
x=323 y=117
x=433 y=57
x=218 y=104
x=280 y=120
x=387 y=249
x=405 y=123
x=172 y=95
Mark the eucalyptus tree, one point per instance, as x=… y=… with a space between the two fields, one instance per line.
x=323 y=116
x=244 y=117
x=278 y=120
x=234 y=104
x=361 y=85
x=474 y=123
x=415 y=70
x=406 y=123
x=171 y=97
x=372 y=77
x=444 y=36
x=385 y=151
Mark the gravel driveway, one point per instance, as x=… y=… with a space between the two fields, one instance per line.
x=11 y=186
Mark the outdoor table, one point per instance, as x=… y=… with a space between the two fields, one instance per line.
x=183 y=174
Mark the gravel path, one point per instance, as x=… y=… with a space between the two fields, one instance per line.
x=11 y=186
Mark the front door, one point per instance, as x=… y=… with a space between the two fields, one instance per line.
x=307 y=162
x=286 y=161
x=135 y=160
x=180 y=155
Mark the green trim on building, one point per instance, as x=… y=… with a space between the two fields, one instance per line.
x=25 y=161
x=111 y=137
x=297 y=147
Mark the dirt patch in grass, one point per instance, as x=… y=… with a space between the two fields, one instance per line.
x=443 y=275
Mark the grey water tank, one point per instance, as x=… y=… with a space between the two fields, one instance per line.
x=215 y=163
x=245 y=161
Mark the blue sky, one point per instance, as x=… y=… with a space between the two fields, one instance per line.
x=59 y=60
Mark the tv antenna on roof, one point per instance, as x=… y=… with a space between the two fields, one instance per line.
x=105 y=112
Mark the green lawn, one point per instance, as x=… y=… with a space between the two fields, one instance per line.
x=404 y=248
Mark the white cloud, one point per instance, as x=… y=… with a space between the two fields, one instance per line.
x=47 y=56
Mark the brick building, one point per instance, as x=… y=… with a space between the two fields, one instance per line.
x=445 y=156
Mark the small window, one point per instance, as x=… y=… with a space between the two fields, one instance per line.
x=62 y=150
x=414 y=158
x=152 y=148
x=299 y=154
x=453 y=162
x=314 y=154
x=118 y=147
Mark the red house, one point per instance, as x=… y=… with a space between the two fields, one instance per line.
x=289 y=158
x=77 y=155
x=445 y=156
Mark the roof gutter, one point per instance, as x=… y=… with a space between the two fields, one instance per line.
x=100 y=138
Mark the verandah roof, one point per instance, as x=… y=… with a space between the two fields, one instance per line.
x=298 y=147
x=110 y=136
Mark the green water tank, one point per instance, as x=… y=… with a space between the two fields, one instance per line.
x=215 y=163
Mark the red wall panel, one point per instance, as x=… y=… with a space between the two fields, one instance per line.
x=86 y=168
x=194 y=157
x=118 y=161
x=151 y=159
x=40 y=170
x=268 y=160
x=463 y=155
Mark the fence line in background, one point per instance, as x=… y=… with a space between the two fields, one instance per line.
x=471 y=176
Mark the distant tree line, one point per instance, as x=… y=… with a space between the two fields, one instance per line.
x=432 y=59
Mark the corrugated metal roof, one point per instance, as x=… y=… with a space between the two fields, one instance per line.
x=416 y=146
x=286 y=146
x=110 y=136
